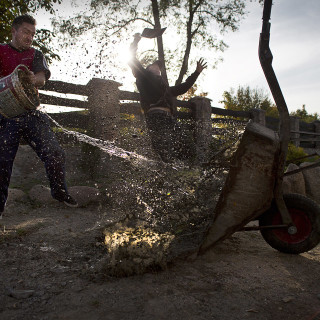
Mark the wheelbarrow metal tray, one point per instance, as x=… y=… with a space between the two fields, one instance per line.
x=248 y=190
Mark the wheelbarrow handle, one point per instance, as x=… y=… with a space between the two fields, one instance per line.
x=267 y=10
x=265 y=56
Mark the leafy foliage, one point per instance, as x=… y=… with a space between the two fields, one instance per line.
x=305 y=116
x=9 y=9
x=246 y=99
x=295 y=153
x=192 y=93
x=192 y=24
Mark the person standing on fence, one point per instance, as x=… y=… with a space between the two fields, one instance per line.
x=33 y=125
x=157 y=98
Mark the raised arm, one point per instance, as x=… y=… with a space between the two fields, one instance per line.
x=185 y=86
x=134 y=63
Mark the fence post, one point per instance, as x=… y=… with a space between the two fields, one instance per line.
x=295 y=126
x=104 y=116
x=317 y=130
x=104 y=108
x=203 y=126
x=258 y=116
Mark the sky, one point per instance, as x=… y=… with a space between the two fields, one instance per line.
x=294 y=42
x=295 y=45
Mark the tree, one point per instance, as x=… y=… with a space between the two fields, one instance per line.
x=304 y=115
x=192 y=92
x=246 y=99
x=9 y=9
x=198 y=24
x=197 y=17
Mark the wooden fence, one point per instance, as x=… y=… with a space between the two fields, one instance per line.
x=105 y=102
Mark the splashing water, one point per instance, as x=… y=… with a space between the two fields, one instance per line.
x=113 y=150
x=164 y=208
x=104 y=145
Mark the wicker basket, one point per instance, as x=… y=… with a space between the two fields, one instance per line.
x=17 y=96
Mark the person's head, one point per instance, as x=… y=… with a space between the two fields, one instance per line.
x=155 y=67
x=23 y=30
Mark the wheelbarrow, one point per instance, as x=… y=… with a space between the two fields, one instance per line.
x=253 y=190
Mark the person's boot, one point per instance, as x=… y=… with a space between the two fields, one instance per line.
x=66 y=199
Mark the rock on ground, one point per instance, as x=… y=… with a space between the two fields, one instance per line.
x=16 y=195
x=41 y=194
x=312 y=181
x=294 y=183
x=85 y=195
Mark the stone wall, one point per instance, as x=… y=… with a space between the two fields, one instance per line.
x=28 y=169
x=29 y=181
x=306 y=182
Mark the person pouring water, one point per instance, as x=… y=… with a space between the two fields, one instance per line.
x=32 y=125
x=156 y=98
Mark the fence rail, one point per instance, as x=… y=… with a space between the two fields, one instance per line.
x=104 y=101
x=58 y=101
x=65 y=87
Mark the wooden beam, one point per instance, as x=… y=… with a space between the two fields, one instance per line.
x=57 y=101
x=127 y=95
x=227 y=120
x=64 y=87
x=232 y=113
x=183 y=104
x=306 y=132
x=305 y=139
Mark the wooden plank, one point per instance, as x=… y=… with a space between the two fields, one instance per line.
x=134 y=108
x=306 y=126
x=305 y=139
x=65 y=87
x=228 y=120
x=135 y=96
x=306 y=132
x=183 y=104
x=310 y=166
x=57 y=101
x=127 y=95
x=232 y=113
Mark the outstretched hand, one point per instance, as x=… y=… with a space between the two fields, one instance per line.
x=201 y=64
x=137 y=37
x=134 y=44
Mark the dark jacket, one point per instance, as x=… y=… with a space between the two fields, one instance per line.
x=154 y=90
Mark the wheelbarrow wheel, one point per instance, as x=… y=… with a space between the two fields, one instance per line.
x=305 y=214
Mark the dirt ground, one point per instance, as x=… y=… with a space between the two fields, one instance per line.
x=49 y=258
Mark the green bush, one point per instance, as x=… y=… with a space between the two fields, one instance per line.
x=296 y=155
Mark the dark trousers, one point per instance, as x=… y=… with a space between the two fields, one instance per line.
x=35 y=129
x=167 y=138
